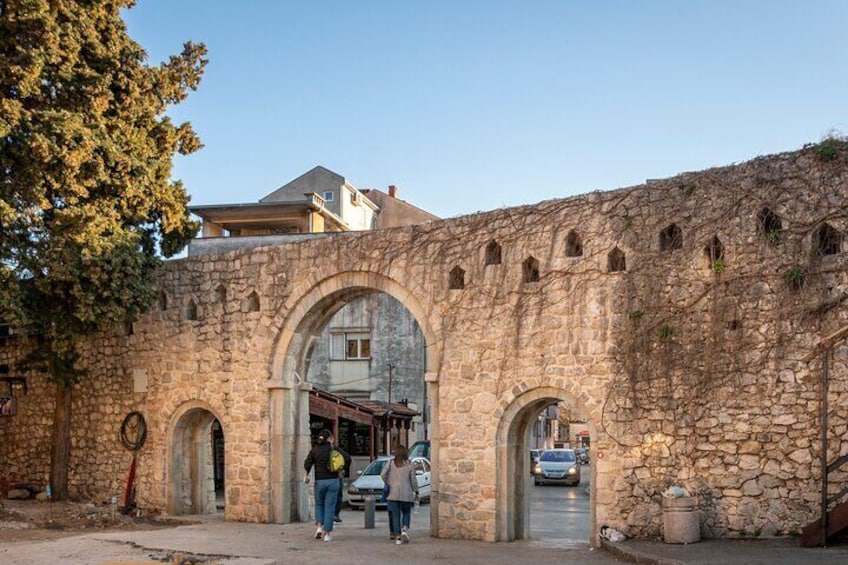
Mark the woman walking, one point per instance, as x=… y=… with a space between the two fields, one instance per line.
x=326 y=483
x=399 y=474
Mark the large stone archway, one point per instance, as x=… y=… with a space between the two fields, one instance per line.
x=306 y=314
x=512 y=505
x=190 y=482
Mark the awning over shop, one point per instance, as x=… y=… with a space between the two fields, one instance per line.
x=381 y=414
x=377 y=415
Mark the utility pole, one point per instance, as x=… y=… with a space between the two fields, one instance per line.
x=388 y=408
x=390 y=382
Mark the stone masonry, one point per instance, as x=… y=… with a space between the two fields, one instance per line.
x=673 y=315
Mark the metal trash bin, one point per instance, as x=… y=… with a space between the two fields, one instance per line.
x=681 y=520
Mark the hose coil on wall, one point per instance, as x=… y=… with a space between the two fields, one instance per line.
x=134 y=431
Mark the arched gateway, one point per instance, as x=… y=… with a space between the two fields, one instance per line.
x=307 y=313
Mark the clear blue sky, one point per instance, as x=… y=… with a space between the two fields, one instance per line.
x=474 y=105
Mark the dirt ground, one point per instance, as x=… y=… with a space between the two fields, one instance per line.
x=24 y=520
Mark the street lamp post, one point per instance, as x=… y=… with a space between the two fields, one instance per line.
x=389 y=409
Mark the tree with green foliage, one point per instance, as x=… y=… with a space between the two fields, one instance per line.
x=87 y=204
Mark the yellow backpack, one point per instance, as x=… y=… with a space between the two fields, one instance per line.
x=337 y=461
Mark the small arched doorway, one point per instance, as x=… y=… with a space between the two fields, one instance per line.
x=515 y=482
x=196 y=469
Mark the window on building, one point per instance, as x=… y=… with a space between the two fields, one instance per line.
x=346 y=345
x=329 y=196
x=358 y=347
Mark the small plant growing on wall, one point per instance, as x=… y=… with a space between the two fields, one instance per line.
x=666 y=332
x=628 y=219
x=688 y=188
x=795 y=277
x=828 y=149
x=635 y=315
x=719 y=266
x=774 y=237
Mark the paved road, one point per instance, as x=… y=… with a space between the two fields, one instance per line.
x=561 y=513
x=233 y=543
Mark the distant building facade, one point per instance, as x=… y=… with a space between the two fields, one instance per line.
x=319 y=203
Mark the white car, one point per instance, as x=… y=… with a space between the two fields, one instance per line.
x=370 y=483
x=557 y=466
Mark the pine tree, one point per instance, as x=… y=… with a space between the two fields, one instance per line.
x=87 y=204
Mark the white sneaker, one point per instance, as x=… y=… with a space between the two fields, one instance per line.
x=398 y=542
x=328 y=537
x=319 y=533
x=404 y=537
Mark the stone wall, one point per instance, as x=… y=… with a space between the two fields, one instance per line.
x=688 y=370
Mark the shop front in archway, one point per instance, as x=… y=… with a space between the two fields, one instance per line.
x=365 y=429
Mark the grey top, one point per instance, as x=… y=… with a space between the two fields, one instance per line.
x=403 y=486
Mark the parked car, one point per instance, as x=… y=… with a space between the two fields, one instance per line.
x=582 y=455
x=420 y=449
x=534 y=459
x=557 y=466
x=370 y=483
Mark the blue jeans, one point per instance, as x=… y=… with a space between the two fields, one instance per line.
x=401 y=515
x=339 y=498
x=326 y=491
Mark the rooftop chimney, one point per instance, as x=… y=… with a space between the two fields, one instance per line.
x=392 y=191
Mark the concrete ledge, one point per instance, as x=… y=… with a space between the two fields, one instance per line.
x=633 y=555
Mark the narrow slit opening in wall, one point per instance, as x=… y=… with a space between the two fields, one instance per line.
x=616 y=261
x=827 y=240
x=531 y=270
x=770 y=226
x=714 y=254
x=253 y=302
x=456 y=279
x=191 y=311
x=671 y=238
x=573 y=245
x=493 y=253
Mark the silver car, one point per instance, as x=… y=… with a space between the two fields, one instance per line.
x=557 y=466
x=370 y=483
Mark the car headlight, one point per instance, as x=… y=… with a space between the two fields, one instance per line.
x=353 y=490
x=537 y=469
x=572 y=470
